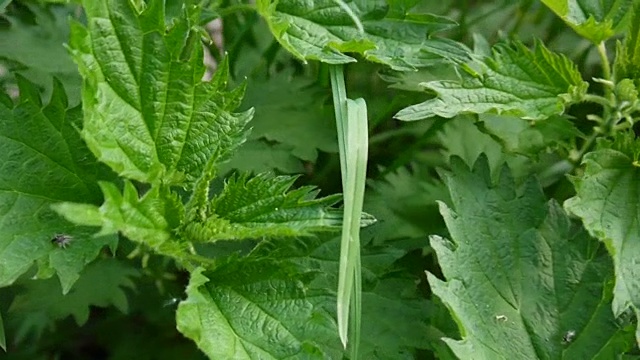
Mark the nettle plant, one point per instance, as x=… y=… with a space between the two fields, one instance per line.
x=140 y=170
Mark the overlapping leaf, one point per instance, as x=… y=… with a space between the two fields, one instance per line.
x=147 y=114
x=255 y=310
x=596 y=20
x=292 y=111
x=379 y=30
x=531 y=84
x=37 y=51
x=523 y=282
x=402 y=203
x=43 y=161
x=524 y=137
x=148 y=220
x=388 y=296
x=265 y=207
x=607 y=202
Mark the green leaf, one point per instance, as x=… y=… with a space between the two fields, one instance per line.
x=259 y=156
x=454 y=139
x=44 y=162
x=148 y=220
x=528 y=138
x=291 y=110
x=147 y=113
x=322 y=30
x=404 y=203
x=627 y=62
x=606 y=203
x=34 y=43
x=596 y=20
x=264 y=206
x=394 y=315
x=523 y=282
x=531 y=84
x=254 y=310
x=102 y=284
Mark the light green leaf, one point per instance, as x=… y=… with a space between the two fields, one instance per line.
x=147 y=114
x=148 y=220
x=627 y=62
x=43 y=162
x=102 y=284
x=531 y=84
x=596 y=20
x=254 y=310
x=523 y=282
x=265 y=206
x=322 y=30
x=34 y=47
x=606 y=201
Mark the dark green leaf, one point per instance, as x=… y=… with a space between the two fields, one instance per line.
x=379 y=30
x=523 y=282
x=606 y=201
x=529 y=138
x=254 y=310
x=531 y=84
x=627 y=63
x=44 y=162
x=596 y=20
x=38 y=48
x=102 y=284
x=292 y=111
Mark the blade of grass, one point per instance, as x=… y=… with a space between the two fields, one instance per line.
x=351 y=121
x=3 y=340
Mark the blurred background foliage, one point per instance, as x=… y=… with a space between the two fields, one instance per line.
x=293 y=132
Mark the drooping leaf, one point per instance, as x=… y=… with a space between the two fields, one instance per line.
x=35 y=47
x=255 y=310
x=523 y=282
x=606 y=201
x=596 y=20
x=379 y=30
x=531 y=84
x=43 y=161
x=147 y=113
x=627 y=62
x=265 y=206
x=102 y=284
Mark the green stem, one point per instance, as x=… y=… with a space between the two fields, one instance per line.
x=597 y=99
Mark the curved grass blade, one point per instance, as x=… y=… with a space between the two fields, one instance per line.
x=351 y=118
